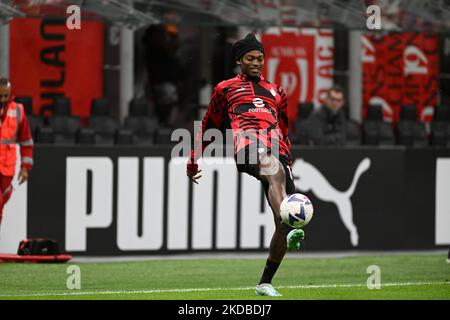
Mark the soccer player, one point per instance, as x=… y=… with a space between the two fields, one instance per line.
x=256 y=111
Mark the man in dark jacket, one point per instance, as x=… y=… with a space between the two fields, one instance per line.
x=327 y=125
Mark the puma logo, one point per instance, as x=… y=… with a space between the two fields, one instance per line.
x=309 y=178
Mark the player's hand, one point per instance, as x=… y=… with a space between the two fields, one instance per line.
x=23 y=176
x=192 y=172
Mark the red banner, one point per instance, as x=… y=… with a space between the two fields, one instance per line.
x=400 y=69
x=47 y=60
x=301 y=61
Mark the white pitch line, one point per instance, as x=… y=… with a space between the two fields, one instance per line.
x=320 y=286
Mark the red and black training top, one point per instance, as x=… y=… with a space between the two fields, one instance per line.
x=250 y=106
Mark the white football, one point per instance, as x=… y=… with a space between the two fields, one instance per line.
x=296 y=210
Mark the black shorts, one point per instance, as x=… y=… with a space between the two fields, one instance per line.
x=253 y=169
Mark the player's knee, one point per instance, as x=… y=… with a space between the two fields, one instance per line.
x=272 y=168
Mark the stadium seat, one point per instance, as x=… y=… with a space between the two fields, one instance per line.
x=124 y=137
x=100 y=107
x=64 y=125
x=301 y=134
x=104 y=125
x=386 y=135
x=140 y=122
x=34 y=121
x=143 y=128
x=139 y=107
x=411 y=132
x=353 y=133
x=163 y=136
x=408 y=112
x=63 y=107
x=440 y=127
x=376 y=131
x=374 y=112
x=305 y=110
x=44 y=135
x=85 y=136
x=105 y=128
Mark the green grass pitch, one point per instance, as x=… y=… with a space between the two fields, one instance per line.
x=402 y=277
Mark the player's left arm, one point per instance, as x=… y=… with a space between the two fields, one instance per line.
x=283 y=121
x=25 y=141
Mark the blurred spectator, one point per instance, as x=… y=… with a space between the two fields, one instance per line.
x=163 y=68
x=327 y=125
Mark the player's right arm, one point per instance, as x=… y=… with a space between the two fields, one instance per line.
x=213 y=119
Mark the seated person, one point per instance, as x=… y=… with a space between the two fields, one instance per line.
x=327 y=124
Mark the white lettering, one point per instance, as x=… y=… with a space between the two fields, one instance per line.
x=78 y=216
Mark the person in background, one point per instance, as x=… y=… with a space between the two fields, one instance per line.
x=14 y=129
x=327 y=125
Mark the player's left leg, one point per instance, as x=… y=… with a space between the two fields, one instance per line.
x=274 y=181
x=273 y=178
x=277 y=185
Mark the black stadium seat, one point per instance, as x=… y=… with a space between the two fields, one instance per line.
x=411 y=132
x=124 y=137
x=100 y=107
x=45 y=135
x=374 y=112
x=375 y=130
x=85 y=136
x=164 y=136
x=105 y=128
x=352 y=133
x=440 y=127
x=104 y=125
x=64 y=125
x=301 y=135
x=141 y=123
x=139 y=107
x=143 y=128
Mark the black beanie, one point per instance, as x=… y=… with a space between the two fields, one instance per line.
x=245 y=45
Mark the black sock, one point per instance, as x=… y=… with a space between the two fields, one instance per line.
x=269 y=271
